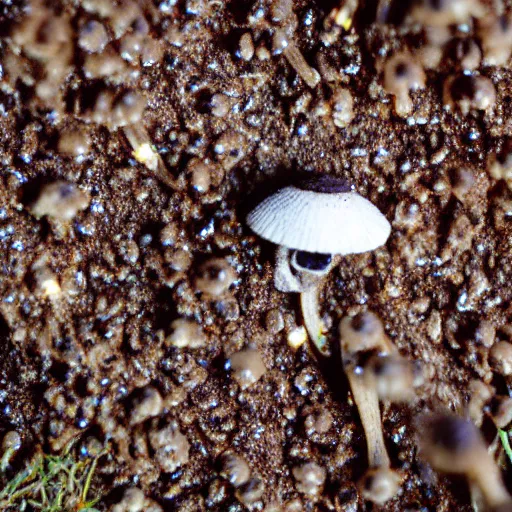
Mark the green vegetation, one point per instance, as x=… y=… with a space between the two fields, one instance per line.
x=504 y=436
x=52 y=483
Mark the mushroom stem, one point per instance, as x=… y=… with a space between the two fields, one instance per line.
x=367 y=402
x=358 y=336
x=284 y=279
x=487 y=477
x=314 y=325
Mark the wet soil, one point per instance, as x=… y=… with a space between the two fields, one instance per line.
x=73 y=365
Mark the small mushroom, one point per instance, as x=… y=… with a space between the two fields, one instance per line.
x=442 y=13
x=403 y=74
x=496 y=36
x=314 y=222
x=469 y=92
x=360 y=336
x=452 y=444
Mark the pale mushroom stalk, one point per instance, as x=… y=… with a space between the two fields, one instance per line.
x=487 y=477
x=358 y=335
x=314 y=325
x=367 y=402
x=309 y=285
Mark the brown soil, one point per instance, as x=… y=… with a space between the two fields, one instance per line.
x=75 y=364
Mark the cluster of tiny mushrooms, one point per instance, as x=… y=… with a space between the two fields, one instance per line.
x=314 y=223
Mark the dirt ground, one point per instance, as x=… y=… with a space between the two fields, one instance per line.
x=86 y=304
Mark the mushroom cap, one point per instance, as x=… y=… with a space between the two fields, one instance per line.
x=320 y=219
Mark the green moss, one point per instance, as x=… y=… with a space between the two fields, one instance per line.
x=52 y=483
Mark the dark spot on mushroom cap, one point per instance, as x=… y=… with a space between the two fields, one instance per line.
x=312 y=260
x=323 y=183
x=452 y=433
x=363 y=322
x=401 y=70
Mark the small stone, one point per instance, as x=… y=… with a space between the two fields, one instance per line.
x=93 y=37
x=171 y=448
x=251 y=492
x=463 y=180
x=502 y=411
x=274 y=321
x=61 y=201
x=134 y=501
x=246 y=47
x=220 y=105
x=248 y=367
x=500 y=358
x=297 y=337
x=343 y=108
x=148 y=405
x=179 y=260
x=11 y=441
x=215 y=277
x=169 y=234
x=74 y=143
x=485 y=333
x=480 y=393
x=200 y=175
x=310 y=478
x=235 y=469
x=185 y=333
x=147 y=155
x=319 y=422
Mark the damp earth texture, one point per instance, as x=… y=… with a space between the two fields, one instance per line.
x=144 y=348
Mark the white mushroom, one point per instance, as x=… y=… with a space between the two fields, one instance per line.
x=312 y=222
